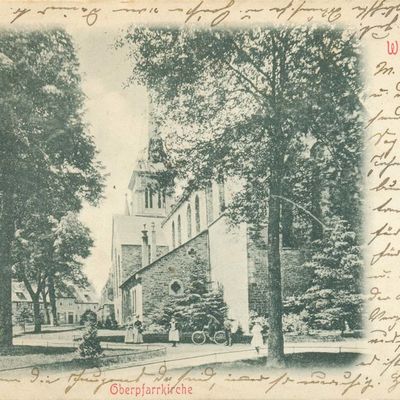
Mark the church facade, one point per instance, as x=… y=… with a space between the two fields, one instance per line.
x=157 y=238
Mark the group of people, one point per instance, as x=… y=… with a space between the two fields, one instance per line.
x=257 y=340
x=134 y=331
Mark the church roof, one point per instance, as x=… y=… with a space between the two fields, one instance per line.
x=127 y=229
x=144 y=167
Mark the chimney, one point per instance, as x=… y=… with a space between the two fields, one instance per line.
x=153 y=242
x=145 y=247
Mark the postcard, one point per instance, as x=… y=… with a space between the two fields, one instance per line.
x=199 y=199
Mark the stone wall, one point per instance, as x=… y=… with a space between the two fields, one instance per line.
x=257 y=270
x=295 y=280
x=157 y=277
x=131 y=260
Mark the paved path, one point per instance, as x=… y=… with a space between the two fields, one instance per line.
x=185 y=354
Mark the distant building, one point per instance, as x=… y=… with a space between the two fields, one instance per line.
x=70 y=305
x=73 y=303
x=107 y=309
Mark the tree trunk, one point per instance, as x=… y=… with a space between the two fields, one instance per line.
x=6 y=235
x=36 y=314
x=5 y=298
x=276 y=357
x=316 y=190
x=46 y=306
x=52 y=297
x=288 y=239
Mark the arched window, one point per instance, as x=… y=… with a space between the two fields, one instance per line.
x=221 y=195
x=209 y=204
x=173 y=234
x=189 y=221
x=159 y=200
x=148 y=197
x=197 y=213
x=179 y=231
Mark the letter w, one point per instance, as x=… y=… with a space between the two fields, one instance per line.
x=392 y=47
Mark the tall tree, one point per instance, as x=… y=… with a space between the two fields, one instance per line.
x=7 y=167
x=249 y=104
x=48 y=160
x=72 y=244
x=334 y=299
x=45 y=249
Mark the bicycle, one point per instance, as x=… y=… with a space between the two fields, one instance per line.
x=200 y=337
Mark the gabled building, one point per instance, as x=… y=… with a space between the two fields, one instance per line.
x=71 y=303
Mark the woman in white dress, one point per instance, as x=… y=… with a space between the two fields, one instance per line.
x=257 y=341
x=173 y=335
x=129 y=331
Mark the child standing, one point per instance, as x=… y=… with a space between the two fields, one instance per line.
x=173 y=335
x=257 y=341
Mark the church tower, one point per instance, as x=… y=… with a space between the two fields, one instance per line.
x=147 y=197
x=137 y=235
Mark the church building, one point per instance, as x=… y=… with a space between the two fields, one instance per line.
x=157 y=238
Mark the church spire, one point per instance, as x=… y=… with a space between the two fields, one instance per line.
x=156 y=152
x=150 y=115
x=126 y=212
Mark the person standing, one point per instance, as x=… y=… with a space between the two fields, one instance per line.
x=129 y=331
x=228 y=331
x=257 y=341
x=138 y=331
x=173 y=335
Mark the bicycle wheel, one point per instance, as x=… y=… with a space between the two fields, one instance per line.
x=219 y=337
x=198 y=337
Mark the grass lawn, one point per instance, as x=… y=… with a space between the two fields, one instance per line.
x=295 y=361
x=49 y=357
x=309 y=360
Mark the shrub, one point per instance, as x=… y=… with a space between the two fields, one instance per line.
x=295 y=323
x=110 y=323
x=90 y=346
x=87 y=316
x=334 y=298
x=24 y=315
x=154 y=328
x=193 y=307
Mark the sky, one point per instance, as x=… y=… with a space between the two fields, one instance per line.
x=117 y=119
